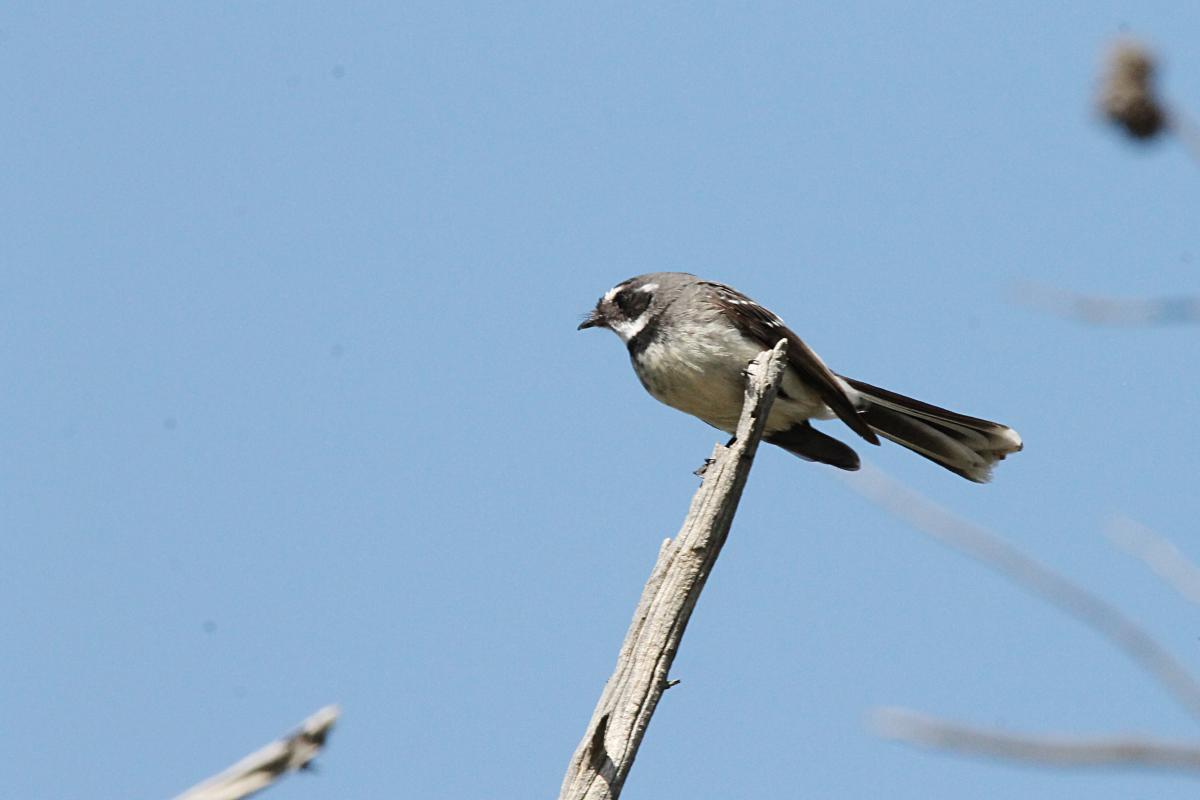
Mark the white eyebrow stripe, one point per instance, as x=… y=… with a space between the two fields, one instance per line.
x=649 y=287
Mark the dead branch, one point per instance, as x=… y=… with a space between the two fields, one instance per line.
x=262 y=768
x=605 y=755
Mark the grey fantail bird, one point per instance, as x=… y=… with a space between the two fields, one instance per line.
x=690 y=341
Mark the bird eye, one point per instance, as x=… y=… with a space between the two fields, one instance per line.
x=632 y=303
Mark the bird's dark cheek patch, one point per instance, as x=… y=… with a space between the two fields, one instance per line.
x=632 y=304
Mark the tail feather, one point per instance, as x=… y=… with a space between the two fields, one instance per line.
x=967 y=446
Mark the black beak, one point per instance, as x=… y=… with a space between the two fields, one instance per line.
x=593 y=320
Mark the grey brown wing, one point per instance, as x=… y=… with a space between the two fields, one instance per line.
x=765 y=328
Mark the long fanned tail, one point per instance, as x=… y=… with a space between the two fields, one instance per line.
x=964 y=445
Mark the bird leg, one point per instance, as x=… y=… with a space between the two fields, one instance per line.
x=708 y=462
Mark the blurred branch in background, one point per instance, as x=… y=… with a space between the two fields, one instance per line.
x=1129 y=98
x=1052 y=751
x=1159 y=553
x=1093 y=310
x=262 y=768
x=992 y=551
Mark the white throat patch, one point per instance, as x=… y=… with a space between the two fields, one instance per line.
x=629 y=328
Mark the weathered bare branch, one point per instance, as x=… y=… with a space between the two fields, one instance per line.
x=602 y=761
x=262 y=768
x=1057 y=751
x=992 y=551
x=1159 y=553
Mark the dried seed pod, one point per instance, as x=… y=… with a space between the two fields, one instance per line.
x=1127 y=97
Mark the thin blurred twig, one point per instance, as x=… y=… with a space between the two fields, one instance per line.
x=260 y=769
x=605 y=755
x=992 y=551
x=1159 y=553
x=1057 y=751
x=1187 y=131
x=1093 y=310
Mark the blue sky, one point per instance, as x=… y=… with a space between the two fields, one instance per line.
x=297 y=412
